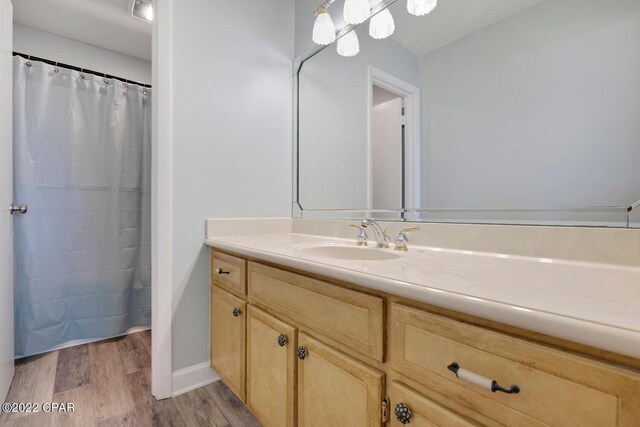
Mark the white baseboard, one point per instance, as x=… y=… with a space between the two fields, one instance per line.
x=192 y=377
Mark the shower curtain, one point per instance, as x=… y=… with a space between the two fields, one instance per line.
x=82 y=253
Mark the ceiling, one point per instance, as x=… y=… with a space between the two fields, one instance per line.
x=450 y=21
x=104 y=23
x=108 y=23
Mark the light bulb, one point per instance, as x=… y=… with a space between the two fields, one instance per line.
x=348 y=44
x=421 y=7
x=356 y=11
x=382 y=25
x=149 y=13
x=324 y=31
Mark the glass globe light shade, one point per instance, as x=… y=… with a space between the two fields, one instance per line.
x=382 y=25
x=421 y=7
x=348 y=44
x=356 y=11
x=324 y=31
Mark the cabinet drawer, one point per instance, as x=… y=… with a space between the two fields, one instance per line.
x=351 y=318
x=229 y=272
x=556 y=388
x=228 y=339
x=420 y=411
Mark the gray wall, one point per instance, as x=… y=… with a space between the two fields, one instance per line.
x=538 y=110
x=333 y=120
x=304 y=17
x=231 y=138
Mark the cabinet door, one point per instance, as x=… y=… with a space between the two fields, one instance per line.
x=228 y=339
x=271 y=363
x=407 y=406
x=334 y=389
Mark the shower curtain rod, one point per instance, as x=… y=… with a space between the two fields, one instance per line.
x=82 y=70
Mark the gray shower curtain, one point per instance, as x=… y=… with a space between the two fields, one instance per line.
x=82 y=154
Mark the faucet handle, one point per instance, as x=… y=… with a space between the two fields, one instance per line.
x=409 y=229
x=402 y=240
x=362 y=234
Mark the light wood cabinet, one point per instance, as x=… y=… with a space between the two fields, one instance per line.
x=350 y=356
x=271 y=369
x=335 y=390
x=555 y=388
x=228 y=339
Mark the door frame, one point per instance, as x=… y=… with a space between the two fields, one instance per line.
x=411 y=96
x=161 y=212
x=7 y=367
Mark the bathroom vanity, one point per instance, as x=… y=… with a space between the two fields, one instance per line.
x=514 y=113
x=301 y=344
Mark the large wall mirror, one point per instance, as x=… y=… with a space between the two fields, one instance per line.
x=484 y=111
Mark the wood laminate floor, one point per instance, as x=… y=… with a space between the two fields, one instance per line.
x=109 y=383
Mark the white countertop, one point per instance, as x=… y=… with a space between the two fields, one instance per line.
x=588 y=303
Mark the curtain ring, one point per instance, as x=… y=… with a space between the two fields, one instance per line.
x=56 y=70
x=105 y=81
x=82 y=76
x=145 y=91
x=28 y=63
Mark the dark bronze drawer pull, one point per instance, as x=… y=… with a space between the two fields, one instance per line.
x=235 y=312
x=481 y=381
x=220 y=271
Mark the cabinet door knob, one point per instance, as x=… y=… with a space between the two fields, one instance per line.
x=403 y=413
x=282 y=340
x=220 y=271
x=236 y=312
x=302 y=353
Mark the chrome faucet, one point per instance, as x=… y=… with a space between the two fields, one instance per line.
x=382 y=240
x=362 y=235
x=402 y=241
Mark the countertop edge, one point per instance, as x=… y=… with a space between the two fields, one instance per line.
x=597 y=335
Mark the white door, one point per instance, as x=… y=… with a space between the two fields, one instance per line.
x=6 y=194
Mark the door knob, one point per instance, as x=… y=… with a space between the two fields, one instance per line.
x=21 y=208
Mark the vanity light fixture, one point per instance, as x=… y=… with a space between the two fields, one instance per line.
x=348 y=45
x=356 y=11
x=382 y=25
x=421 y=7
x=324 y=31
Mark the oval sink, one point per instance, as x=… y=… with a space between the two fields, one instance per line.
x=350 y=253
